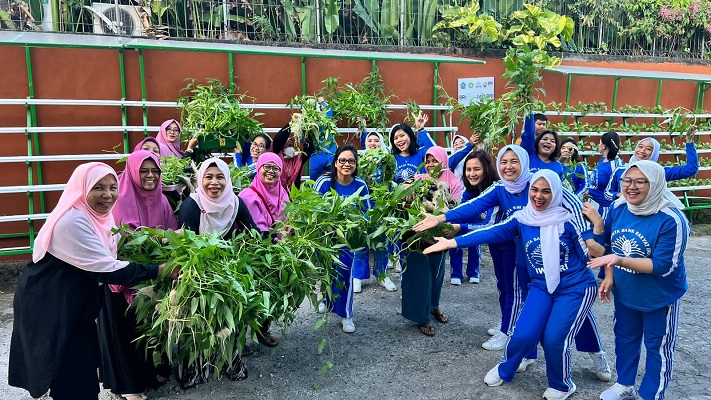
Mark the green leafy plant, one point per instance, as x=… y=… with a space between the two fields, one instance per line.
x=467 y=26
x=311 y=122
x=539 y=28
x=488 y=119
x=365 y=103
x=376 y=166
x=241 y=177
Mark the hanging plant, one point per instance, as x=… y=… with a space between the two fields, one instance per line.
x=311 y=122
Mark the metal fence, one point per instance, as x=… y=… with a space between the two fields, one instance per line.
x=618 y=27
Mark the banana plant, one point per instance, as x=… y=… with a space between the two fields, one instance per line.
x=467 y=21
x=538 y=27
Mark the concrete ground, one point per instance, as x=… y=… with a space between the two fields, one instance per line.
x=387 y=357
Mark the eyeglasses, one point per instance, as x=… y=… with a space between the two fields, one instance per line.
x=175 y=130
x=146 y=171
x=639 y=183
x=349 y=161
x=271 y=168
x=259 y=146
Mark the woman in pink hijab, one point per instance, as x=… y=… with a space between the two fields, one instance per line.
x=435 y=156
x=54 y=343
x=140 y=203
x=169 y=140
x=151 y=144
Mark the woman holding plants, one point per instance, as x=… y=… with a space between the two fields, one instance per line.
x=409 y=151
x=344 y=180
x=543 y=148
x=124 y=367
x=423 y=275
x=265 y=199
x=479 y=174
x=54 y=343
x=461 y=147
x=510 y=257
x=258 y=146
x=561 y=291
x=648 y=149
x=372 y=141
x=576 y=173
x=647 y=233
x=285 y=145
x=169 y=140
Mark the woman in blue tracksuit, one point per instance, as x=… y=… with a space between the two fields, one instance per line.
x=461 y=147
x=648 y=149
x=609 y=146
x=479 y=174
x=409 y=151
x=258 y=146
x=509 y=195
x=576 y=173
x=561 y=291
x=543 y=150
x=344 y=180
x=647 y=233
x=321 y=161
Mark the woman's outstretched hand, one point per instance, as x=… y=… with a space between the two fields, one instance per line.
x=429 y=222
x=609 y=260
x=441 y=245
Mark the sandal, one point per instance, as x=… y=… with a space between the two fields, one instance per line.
x=440 y=316
x=268 y=340
x=427 y=329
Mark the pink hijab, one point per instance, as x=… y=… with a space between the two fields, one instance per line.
x=163 y=149
x=138 y=207
x=217 y=215
x=265 y=202
x=84 y=238
x=171 y=149
x=445 y=175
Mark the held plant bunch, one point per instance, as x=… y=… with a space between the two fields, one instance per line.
x=372 y=162
x=214 y=110
x=311 y=122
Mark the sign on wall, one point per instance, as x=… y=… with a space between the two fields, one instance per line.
x=472 y=89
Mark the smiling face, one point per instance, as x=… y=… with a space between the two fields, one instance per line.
x=431 y=163
x=151 y=146
x=509 y=166
x=149 y=174
x=541 y=126
x=401 y=140
x=458 y=143
x=546 y=146
x=540 y=194
x=269 y=173
x=372 y=142
x=644 y=150
x=474 y=171
x=566 y=150
x=172 y=133
x=213 y=182
x=635 y=186
x=102 y=197
x=258 y=147
x=346 y=163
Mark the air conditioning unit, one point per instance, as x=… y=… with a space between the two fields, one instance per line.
x=123 y=20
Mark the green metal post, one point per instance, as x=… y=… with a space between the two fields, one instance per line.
x=659 y=97
x=142 y=70
x=567 y=95
x=232 y=72
x=373 y=65
x=303 y=75
x=614 y=92
x=435 y=95
x=124 y=109
x=698 y=96
x=32 y=122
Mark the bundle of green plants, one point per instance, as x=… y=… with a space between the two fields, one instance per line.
x=175 y=170
x=376 y=165
x=214 y=110
x=241 y=177
x=488 y=119
x=311 y=122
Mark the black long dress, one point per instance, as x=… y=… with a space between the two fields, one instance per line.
x=54 y=344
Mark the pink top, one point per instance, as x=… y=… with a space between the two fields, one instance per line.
x=171 y=149
x=265 y=202
x=445 y=174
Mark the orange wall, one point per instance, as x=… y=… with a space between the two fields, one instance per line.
x=94 y=74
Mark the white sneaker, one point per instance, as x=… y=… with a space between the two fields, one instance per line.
x=357 y=285
x=388 y=284
x=619 y=392
x=553 y=394
x=455 y=281
x=322 y=308
x=398 y=267
x=492 y=377
x=494 y=330
x=496 y=342
x=348 y=325
x=473 y=279
x=524 y=364
x=601 y=367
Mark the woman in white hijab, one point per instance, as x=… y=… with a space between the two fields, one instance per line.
x=561 y=285
x=647 y=233
x=54 y=343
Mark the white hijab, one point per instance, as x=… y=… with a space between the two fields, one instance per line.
x=383 y=145
x=520 y=183
x=216 y=215
x=655 y=152
x=658 y=197
x=551 y=222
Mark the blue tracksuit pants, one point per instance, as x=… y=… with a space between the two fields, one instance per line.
x=456 y=260
x=361 y=266
x=659 y=331
x=342 y=301
x=554 y=320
